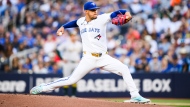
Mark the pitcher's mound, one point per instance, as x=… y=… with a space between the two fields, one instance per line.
x=20 y=100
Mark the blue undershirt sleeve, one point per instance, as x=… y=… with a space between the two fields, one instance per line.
x=71 y=24
x=115 y=13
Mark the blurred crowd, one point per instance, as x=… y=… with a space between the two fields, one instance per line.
x=157 y=39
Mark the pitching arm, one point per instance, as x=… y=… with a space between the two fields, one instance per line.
x=71 y=24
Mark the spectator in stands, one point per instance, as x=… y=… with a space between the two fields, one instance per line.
x=39 y=40
x=40 y=69
x=56 y=69
x=154 y=24
x=146 y=51
x=164 y=64
x=49 y=45
x=155 y=64
x=166 y=20
x=7 y=69
x=21 y=69
x=30 y=39
x=141 y=63
x=152 y=42
x=136 y=7
x=185 y=60
x=165 y=44
x=161 y=53
x=8 y=50
x=111 y=42
x=15 y=44
x=146 y=7
x=175 y=24
x=132 y=35
x=48 y=64
x=126 y=60
x=175 y=67
x=23 y=46
x=27 y=65
x=15 y=64
x=136 y=51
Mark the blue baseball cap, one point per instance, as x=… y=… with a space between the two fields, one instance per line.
x=90 y=6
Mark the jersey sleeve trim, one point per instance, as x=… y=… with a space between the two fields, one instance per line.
x=71 y=24
x=115 y=13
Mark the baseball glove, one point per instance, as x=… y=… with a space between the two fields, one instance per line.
x=121 y=19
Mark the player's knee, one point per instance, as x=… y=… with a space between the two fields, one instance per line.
x=72 y=81
x=124 y=69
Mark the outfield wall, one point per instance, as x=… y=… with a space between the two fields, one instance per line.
x=104 y=85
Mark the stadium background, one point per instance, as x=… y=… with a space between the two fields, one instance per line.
x=156 y=42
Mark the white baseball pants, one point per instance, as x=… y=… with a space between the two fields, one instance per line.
x=87 y=64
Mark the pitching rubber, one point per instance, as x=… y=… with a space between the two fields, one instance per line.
x=129 y=101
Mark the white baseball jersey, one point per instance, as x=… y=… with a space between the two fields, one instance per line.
x=93 y=33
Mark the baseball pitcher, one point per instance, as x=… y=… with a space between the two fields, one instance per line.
x=93 y=33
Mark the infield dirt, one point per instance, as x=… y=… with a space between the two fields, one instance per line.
x=21 y=100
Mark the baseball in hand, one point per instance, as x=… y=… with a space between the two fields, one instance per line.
x=60 y=33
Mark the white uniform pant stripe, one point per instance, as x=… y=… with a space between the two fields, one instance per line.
x=85 y=66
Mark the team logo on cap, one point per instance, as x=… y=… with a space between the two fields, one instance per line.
x=98 y=37
x=93 y=3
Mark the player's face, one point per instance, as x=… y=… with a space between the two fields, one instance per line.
x=92 y=13
x=73 y=37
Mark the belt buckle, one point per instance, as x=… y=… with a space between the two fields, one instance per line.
x=97 y=54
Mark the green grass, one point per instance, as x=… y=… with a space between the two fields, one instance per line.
x=160 y=101
x=173 y=102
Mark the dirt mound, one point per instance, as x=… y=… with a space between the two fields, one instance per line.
x=20 y=100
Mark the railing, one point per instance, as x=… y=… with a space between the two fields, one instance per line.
x=22 y=54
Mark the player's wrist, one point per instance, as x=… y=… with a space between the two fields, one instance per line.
x=128 y=16
x=62 y=27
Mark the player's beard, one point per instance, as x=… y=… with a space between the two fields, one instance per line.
x=94 y=17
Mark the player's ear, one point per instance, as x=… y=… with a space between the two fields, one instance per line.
x=85 y=11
